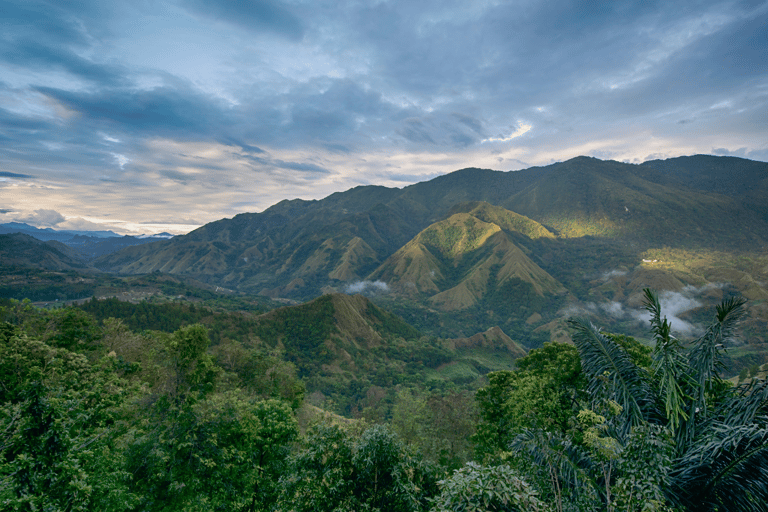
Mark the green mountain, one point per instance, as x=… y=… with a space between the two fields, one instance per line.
x=342 y=343
x=297 y=248
x=454 y=261
x=24 y=250
x=520 y=250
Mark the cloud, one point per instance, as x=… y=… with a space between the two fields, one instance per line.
x=300 y=166
x=177 y=110
x=521 y=130
x=43 y=218
x=31 y=54
x=674 y=304
x=253 y=16
x=372 y=287
x=6 y=174
x=249 y=102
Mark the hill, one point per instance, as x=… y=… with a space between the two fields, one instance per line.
x=24 y=250
x=296 y=248
x=454 y=261
x=520 y=250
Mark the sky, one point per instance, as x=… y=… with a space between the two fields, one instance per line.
x=144 y=116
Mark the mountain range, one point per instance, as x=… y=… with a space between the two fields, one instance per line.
x=521 y=250
x=418 y=233
x=87 y=245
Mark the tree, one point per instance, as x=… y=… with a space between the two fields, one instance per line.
x=720 y=458
x=59 y=429
x=337 y=472
x=476 y=488
x=220 y=453
x=545 y=392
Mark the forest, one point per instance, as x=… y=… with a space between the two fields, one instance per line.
x=114 y=406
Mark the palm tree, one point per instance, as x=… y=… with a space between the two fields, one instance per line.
x=720 y=432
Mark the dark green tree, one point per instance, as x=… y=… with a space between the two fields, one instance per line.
x=720 y=433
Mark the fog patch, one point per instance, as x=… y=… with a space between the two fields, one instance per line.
x=367 y=287
x=613 y=273
x=673 y=304
x=612 y=309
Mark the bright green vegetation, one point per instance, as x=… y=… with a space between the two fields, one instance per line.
x=95 y=415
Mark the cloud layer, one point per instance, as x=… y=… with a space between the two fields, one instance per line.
x=165 y=110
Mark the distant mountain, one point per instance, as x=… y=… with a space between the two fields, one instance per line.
x=49 y=233
x=23 y=250
x=87 y=244
x=299 y=248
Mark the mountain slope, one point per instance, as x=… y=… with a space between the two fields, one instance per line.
x=454 y=261
x=299 y=248
x=23 y=250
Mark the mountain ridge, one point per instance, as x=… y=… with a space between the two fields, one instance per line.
x=297 y=247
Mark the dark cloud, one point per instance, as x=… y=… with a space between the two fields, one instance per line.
x=184 y=113
x=299 y=166
x=415 y=131
x=12 y=122
x=6 y=174
x=50 y=22
x=177 y=176
x=32 y=54
x=253 y=15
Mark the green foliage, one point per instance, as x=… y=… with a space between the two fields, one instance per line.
x=303 y=331
x=144 y=316
x=220 y=453
x=392 y=325
x=192 y=369
x=59 y=424
x=262 y=373
x=643 y=470
x=544 y=392
x=338 y=472
x=438 y=424
x=475 y=488
x=719 y=457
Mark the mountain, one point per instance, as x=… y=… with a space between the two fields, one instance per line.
x=455 y=260
x=23 y=250
x=46 y=234
x=522 y=250
x=298 y=248
x=343 y=345
x=87 y=244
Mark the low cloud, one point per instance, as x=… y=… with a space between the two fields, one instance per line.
x=605 y=276
x=673 y=306
x=367 y=287
x=43 y=218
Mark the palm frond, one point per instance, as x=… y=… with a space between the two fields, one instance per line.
x=671 y=368
x=705 y=362
x=748 y=402
x=570 y=464
x=706 y=357
x=611 y=371
x=726 y=471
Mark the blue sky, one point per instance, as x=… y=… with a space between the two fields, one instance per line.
x=143 y=116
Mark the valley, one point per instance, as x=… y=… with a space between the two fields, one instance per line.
x=478 y=249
